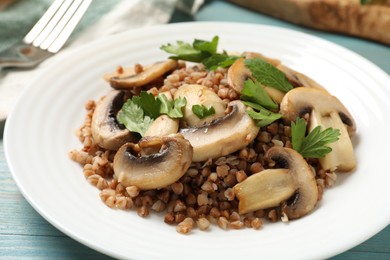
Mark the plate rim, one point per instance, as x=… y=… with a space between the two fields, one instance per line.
x=68 y=55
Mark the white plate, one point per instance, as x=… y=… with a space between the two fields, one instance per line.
x=40 y=132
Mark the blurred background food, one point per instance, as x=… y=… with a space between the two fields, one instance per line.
x=368 y=19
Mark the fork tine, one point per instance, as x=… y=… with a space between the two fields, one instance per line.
x=67 y=31
x=38 y=27
x=56 y=30
x=52 y=23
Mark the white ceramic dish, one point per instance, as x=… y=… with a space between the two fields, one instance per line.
x=40 y=132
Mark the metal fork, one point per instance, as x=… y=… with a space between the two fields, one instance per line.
x=47 y=36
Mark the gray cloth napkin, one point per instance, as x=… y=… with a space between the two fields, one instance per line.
x=104 y=17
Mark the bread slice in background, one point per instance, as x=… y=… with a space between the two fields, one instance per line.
x=370 y=21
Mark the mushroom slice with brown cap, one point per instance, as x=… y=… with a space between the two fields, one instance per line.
x=265 y=189
x=148 y=75
x=106 y=131
x=298 y=79
x=154 y=163
x=224 y=135
x=238 y=73
x=325 y=111
x=306 y=195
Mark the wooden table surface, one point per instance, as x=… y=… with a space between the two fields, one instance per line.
x=25 y=234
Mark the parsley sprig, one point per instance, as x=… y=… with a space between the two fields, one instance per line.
x=314 y=145
x=201 y=111
x=267 y=74
x=200 y=51
x=139 y=112
x=253 y=95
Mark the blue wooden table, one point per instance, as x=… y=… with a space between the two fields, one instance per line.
x=25 y=234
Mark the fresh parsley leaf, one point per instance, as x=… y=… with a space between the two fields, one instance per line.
x=222 y=60
x=149 y=104
x=255 y=106
x=177 y=110
x=206 y=46
x=254 y=92
x=263 y=117
x=132 y=116
x=139 y=112
x=185 y=51
x=172 y=108
x=298 y=129
x=200 y=51
x=202 y=111
x=254 y=96
x=166 y=104
x=314 y=144
x=267 y=74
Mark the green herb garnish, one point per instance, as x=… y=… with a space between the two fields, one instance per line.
x=132 y=116
x=200 y=51
x=253 y=95
x=139 y=112
x=267 y=74
x=148 y=103
x=263 y=117
x=202 y=111
x=172 y=108
x=254 y=92
x=314 y=144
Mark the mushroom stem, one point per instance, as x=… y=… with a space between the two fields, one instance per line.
x=342 y=155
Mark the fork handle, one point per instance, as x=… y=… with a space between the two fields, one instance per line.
x=22 y=56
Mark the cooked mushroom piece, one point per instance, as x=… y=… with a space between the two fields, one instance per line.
x=306 y=195
x=265 y=189
x=200 y=95
x=238 y=73
x=325 y=111
x=298 y=79
x=154 y=163
x=222 y=136
x=106 y=131
x=250 y=55
x=148 y=75
x=163 y=126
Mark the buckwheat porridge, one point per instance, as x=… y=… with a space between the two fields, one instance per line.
x=208 y=138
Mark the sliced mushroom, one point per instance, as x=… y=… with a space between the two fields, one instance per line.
x=154 y=163
x=222 y=136
x=148 y=75
x=106 y=131
x=120 y=72
x=342 y=156
x=200 y=95
x=264 y=189
x=238 y=73
x=163 y=126
x=298 y=79
x=326 y=111
x=306 y=196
